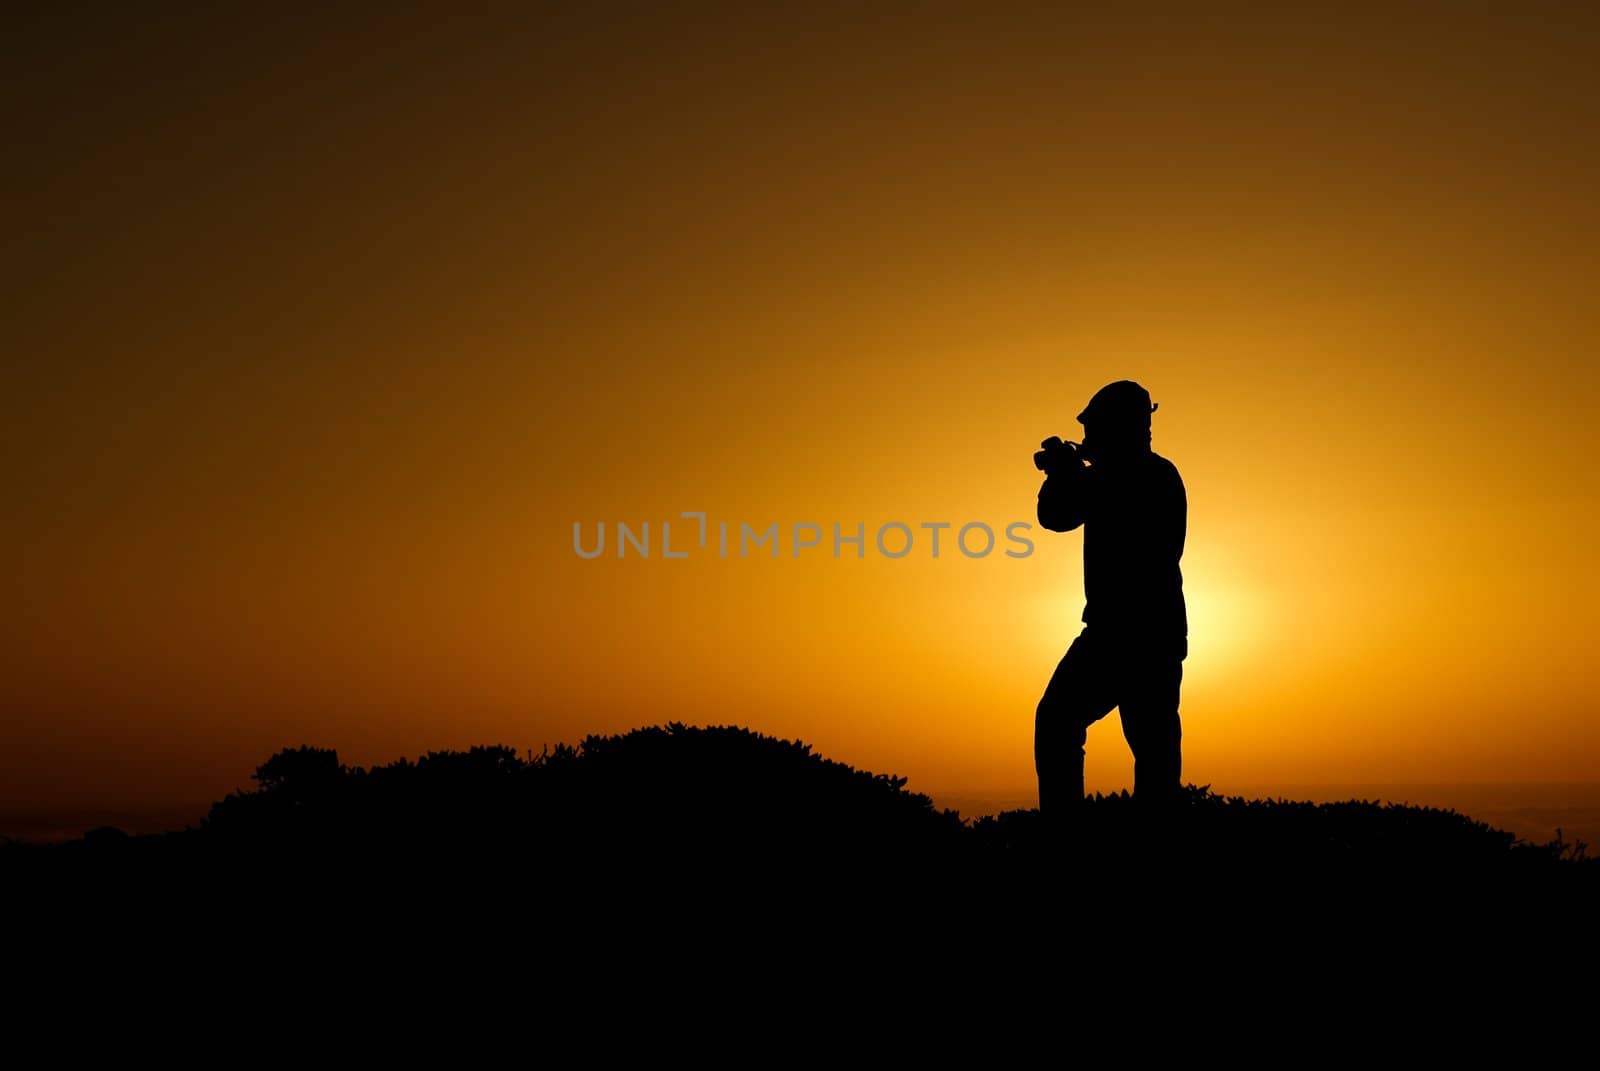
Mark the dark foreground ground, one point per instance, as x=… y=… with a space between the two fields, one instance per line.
x=669 y=863
x=682 y=805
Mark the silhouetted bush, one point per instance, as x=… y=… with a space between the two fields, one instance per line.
x=664 y=790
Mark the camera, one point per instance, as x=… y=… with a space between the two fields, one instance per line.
x=1055 y=454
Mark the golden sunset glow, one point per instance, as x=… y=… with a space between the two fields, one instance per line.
x=321 y=336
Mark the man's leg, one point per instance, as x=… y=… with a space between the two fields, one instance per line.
x=1078 y=695
x=1151 y=725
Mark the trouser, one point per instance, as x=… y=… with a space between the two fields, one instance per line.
x=1099 y=672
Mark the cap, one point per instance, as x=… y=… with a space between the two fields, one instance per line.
x=1122 y=402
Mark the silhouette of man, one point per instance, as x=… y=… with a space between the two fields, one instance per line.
x=1131 y=504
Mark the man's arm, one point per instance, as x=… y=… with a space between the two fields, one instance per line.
x=1063 y=498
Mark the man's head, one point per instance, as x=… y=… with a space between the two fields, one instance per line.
x=1116 y=422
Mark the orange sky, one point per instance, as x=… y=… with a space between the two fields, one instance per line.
x=320 y=335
